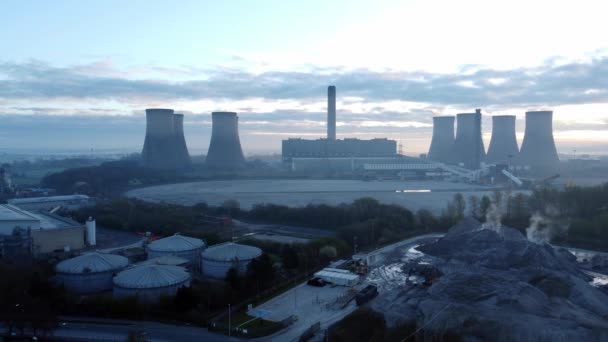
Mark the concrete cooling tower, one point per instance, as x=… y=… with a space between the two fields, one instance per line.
x=331 y=113
x=468 y=146
x=503 y=145
x=442 y=145
x=182 y=157
x=164 y=145
x=225 y=147
x=538 y=148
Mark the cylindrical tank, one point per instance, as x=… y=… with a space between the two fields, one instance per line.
x=91 y=232
x=503 y=145
x=150 y=282
x=90 y=273
x=159 y=145
x=538 y=149
x=331 y=113
x=468 y=146
x=225 y=147
x=442 y=144
x=177 y=245
x=218 y=259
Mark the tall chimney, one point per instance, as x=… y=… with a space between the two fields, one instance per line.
x=468 y=146
x=442 y=144
x=158 y=150
x=503 y=145
x=225 y=147
x=182 y=157
x=538 y=149
x=331 y=113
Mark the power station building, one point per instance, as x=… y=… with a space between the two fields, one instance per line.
x=225 y=152
x=165 y=144
x=503 y=144
x=330 y=147
x=538 y=151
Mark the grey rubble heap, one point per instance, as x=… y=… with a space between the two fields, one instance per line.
x=497 y=285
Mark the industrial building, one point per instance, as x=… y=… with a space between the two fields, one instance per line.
x=442 y=143
x=355 y=164
x=331 y=147
x=148 y=283
x=328 y=148
x=338 y=277
x=225 y=152
x=179 y=246
x=164 y=144
x=218 y=259
x=503 y=144
x=90 y=273
x=538 y=152
x=69 y=202
x=468 y=145
x=48 y=232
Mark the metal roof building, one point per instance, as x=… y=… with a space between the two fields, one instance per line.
x=50 y=202
x=177 y=245
x=90 y=273
x=218 y=259
x=149 y=282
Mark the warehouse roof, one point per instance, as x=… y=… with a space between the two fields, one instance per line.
x=230 y=251
x=176 y=243
x=92 y=263
x=151 y=276
x=11 y=213
x=332 y=274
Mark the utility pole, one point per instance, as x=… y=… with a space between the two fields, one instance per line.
x=229 y=329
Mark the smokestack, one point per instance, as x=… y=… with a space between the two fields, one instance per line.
x=538 y=148
x=468 y=146
x=225 y=147
x=182 y=157
x=331 y=113
x=503 y=145
x=159 y=146
x=442 y=145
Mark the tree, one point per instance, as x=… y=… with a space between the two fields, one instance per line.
x=185 y=299
x=289 y=256
x=484 y=206
x=328 y=252
x=460 y=205
x=474 y=206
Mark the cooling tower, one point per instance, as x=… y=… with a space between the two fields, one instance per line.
x=331 y=113
x=503 y=145
x=538 y=148
x=468 y=146
x=442 y=145
x=159 y=146
x=182 y=157
x=225 y=147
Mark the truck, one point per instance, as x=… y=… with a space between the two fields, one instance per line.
x=366 y=294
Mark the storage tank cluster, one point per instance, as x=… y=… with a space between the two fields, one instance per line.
x=165 y=144
x=90 y=273
x=538 y=152
x=218 y=259
x=179 y=246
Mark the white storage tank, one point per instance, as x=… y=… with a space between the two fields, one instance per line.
x=177 y=245
x=90 y=273
x=218 y=259
x=149 y=282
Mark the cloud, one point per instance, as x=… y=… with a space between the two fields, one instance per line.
x=549 y=85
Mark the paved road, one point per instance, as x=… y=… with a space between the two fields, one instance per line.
x=105 y=330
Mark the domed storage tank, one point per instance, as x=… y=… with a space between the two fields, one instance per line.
x=149 y=282
x=218 y=259
x=90 y=273
x=177 y=245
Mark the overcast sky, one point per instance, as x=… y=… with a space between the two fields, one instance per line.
x=79 y=74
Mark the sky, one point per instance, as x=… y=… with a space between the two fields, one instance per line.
x=77 y=75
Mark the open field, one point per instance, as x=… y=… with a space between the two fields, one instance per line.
x=432 y=195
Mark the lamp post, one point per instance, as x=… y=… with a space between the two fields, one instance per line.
x=229 y=313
